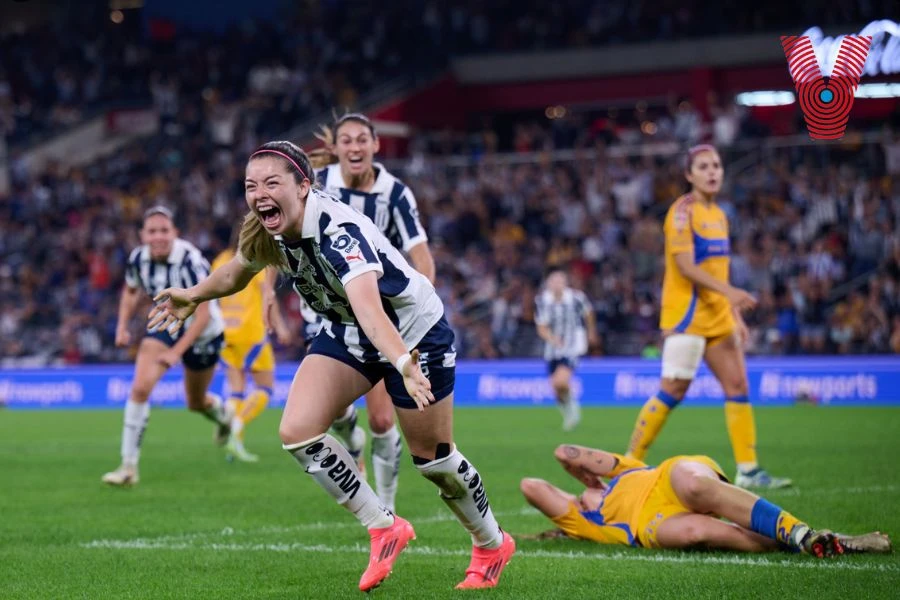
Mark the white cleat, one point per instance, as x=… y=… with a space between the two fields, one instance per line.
x=760 y=479
x=235 y=449
x=124 y=476
x=571 y=414
x=222 y=432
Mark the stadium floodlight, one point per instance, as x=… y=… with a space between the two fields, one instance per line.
x=878 y=90
x=765 y=98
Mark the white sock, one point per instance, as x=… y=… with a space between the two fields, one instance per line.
x=747 y=467
x=463 y=491
x=217 y=411
x=237 y=426
x=135 y=423
x=351 y=435
x=331 y=465
x=387 y=448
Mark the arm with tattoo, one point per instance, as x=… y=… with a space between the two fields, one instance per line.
x=590 y=466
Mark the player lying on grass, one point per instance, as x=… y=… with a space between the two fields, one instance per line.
x=679 y=504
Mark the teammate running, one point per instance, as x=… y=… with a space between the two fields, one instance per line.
x=161 y=261
x=565 y=321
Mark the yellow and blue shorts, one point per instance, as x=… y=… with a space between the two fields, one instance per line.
x=633 y=509
x=589 y=525
x=248 y=357
x=662 y=502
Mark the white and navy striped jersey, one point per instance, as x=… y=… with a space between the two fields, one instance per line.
x=390 y=204
x=338 y=244
x=184 y=268
x=566 y=319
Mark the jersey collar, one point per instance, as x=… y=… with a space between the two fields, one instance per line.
x=310 y=215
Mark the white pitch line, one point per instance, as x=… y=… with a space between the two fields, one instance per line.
x=836 y=491
x=182 y=538
x=617 y=556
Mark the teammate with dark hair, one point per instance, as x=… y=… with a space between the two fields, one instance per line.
x=348 y=170
x=161 y=261
x=701 y=319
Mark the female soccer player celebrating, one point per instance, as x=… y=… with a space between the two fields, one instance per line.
x=701 y=319
x=375 y=308
x=369 y=188
x=247 y=349
x=161 y=261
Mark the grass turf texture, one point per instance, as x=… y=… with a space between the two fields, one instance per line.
x=198 y=527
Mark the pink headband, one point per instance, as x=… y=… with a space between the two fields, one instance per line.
x=695 y=150
x=285 y=156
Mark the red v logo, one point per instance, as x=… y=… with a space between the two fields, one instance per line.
x=826 y=100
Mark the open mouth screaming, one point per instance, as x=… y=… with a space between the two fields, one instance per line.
x=270 y=216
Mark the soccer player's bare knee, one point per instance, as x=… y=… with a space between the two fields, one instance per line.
x=196 y=402
x=295 y=431
x=381 y=422
x=735 y=384
x=140 y=392
x=263 y=378
x=560 y=379
x=677 y=388
x=694 y=488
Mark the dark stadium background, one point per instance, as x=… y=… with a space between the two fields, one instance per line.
x=532 y=133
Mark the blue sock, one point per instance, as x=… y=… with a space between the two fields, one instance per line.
x=764 y=518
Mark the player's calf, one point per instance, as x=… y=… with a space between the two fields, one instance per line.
x=462 y=489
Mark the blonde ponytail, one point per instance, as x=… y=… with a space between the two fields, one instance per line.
x=322 y=157
x=257 y=246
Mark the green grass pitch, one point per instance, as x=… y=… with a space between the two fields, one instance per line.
x=198 y=527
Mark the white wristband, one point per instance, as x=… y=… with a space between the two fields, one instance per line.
x=402 y=362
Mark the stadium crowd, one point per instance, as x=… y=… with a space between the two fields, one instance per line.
x=815 y=236
x=815 y=231
x=96 y=63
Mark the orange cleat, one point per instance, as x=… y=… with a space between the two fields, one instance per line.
x=487 y=565
x=386 y=545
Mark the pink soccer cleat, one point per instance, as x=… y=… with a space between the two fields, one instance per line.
x=387 y=543
x=487 y=565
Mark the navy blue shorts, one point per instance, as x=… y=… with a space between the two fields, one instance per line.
x=437 y=359
x=199 y=357
x=570 y=362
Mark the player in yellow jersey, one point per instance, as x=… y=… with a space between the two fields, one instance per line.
x=679 y=504
x=247 y=349
x=701 y=319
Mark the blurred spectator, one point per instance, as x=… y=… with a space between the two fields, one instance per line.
x=810 y=226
